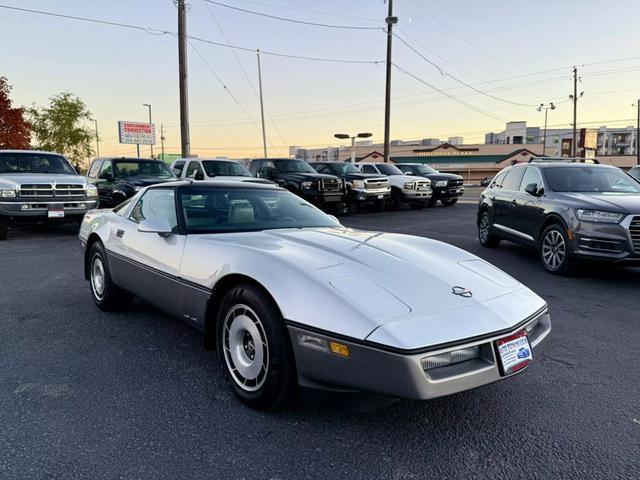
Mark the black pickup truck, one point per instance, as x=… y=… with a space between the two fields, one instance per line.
x=297 y=176
x=362 y=188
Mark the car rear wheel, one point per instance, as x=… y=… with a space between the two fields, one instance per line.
x=485 y=235
x=450 y=202
x=106 y=294
x=254 y=349
x=418 y=205
x=554 y=251
x=4 y=229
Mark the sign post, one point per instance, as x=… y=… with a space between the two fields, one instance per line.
x=137 y=133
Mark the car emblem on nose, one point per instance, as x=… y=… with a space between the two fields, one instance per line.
x=462 y=292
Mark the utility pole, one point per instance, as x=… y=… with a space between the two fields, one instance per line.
x=97 y=138
x=182 y=67
x=391 y=21
x=638 y=133
x=264 y=132
x=575 y=110
x=150 y=123
x=162 y=140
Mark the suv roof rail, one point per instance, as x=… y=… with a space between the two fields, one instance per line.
x=563 y=160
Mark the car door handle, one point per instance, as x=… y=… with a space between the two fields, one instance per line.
x=119 y=233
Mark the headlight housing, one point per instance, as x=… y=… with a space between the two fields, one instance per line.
x=441 y=183
x=408 y=185
x=306 y=184
x=8 y=193
x=92 y=191
x=598 y=216
x=358 y=183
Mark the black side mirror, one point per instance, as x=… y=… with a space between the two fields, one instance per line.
x=532 y=189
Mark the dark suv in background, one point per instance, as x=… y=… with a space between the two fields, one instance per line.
x=120 y=178
x=567 y=211
x=447 y=187
x=362 y=188
x=297 y=176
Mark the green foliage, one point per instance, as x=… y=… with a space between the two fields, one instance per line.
x=62 y=127
x=14 y=129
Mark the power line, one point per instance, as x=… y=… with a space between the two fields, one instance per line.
x=291 y=20
x=156 y=31
x=315 y=12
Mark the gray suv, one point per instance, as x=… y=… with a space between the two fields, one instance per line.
x=567 y=211
x=41 y=187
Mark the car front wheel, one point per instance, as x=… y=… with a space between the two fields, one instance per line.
x=485 y=236
x=554 y=251
x=4 y=229
x=254 y=349
x=106 y=294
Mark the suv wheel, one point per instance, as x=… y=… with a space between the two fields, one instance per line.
x=486 y=237
x=554 y=251
x=4 y=228
x=254 y=349
x=106 y=294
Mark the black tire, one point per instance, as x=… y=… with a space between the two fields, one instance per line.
x=377 y=206
x=395 y=200
x=249 y=329
x=418 y=205
x=106 y=294
x=554 y=251
x=450 y=202
x=4 y=228
x=486 y=237
x=432 y=201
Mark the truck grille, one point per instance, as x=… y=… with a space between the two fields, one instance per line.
x=455 y=183
x=421 y=185
x=376 y=184
x=41 y=190
x=331 y=185
x=634 y=229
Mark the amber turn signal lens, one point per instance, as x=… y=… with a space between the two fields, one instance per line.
x=339 y=349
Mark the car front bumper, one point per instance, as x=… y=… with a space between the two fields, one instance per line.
x=33 y=209
x=373 y=369
x=618 y=243
x=444 y=193
x=363 y=196
x=417 y=195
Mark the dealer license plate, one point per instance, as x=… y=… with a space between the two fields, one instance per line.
x=380 y=197
x=56 y=213
x=515 y=352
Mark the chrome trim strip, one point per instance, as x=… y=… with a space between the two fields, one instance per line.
x=514 y=232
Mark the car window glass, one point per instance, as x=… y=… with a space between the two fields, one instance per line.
x=106 y=168
x=512 y=180
x=95 y=168
x=155 y=204
x=320 y=168
x=33 y=162
x=497 y=181
x=532 y=175
x=590 y=179
x=177 y=168
x=193 y=167
x=225 y=169
x=142 y=168
x=266 y=168
x=369 y=169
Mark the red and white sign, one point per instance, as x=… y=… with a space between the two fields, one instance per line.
x=137 y=133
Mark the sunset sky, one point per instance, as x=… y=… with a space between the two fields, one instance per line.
x=507 y=49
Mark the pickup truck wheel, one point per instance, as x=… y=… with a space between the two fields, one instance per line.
x=395 y=201
x=450 y=202
x=4 y=229
x=254 y=350
x=106 y=294
x=432 y=201
x=418 y=205
x=377 y=206
x=485 y=236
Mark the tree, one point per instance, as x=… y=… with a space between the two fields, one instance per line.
x=62 y=127
x=14 y=129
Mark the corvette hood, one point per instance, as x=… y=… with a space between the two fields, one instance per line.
x=404 y=284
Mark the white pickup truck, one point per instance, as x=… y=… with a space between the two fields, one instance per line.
x=409 y=189
x=41 y=187
x=213 y=169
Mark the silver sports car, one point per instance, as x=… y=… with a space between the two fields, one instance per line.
x=290 y=298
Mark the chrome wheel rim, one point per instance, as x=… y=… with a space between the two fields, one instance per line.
x=246 y=351
x=554 y=249
x=97 y=277
x=484 y=228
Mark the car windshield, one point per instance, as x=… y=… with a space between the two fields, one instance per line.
x=225 y=169
x=217 y=210
x=293 y=166
x=27 y=162
x=389 y=169
x=339 y=168
x=142 y=168
x=635 y=172
x=422 y=169
x=590 y=180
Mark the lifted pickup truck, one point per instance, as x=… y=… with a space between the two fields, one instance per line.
x=41 y=187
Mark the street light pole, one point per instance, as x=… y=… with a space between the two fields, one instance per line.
x=391 y=21
x=344 y=136
x=162 y=140
x=264 y=132
x=97 y=138
x=546 y=108
x=150 y=122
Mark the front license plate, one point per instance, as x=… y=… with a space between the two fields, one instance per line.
x=55 y=213
x=515 y=352
x=380 y=197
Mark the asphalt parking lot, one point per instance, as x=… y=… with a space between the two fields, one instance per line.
x=86 y=394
